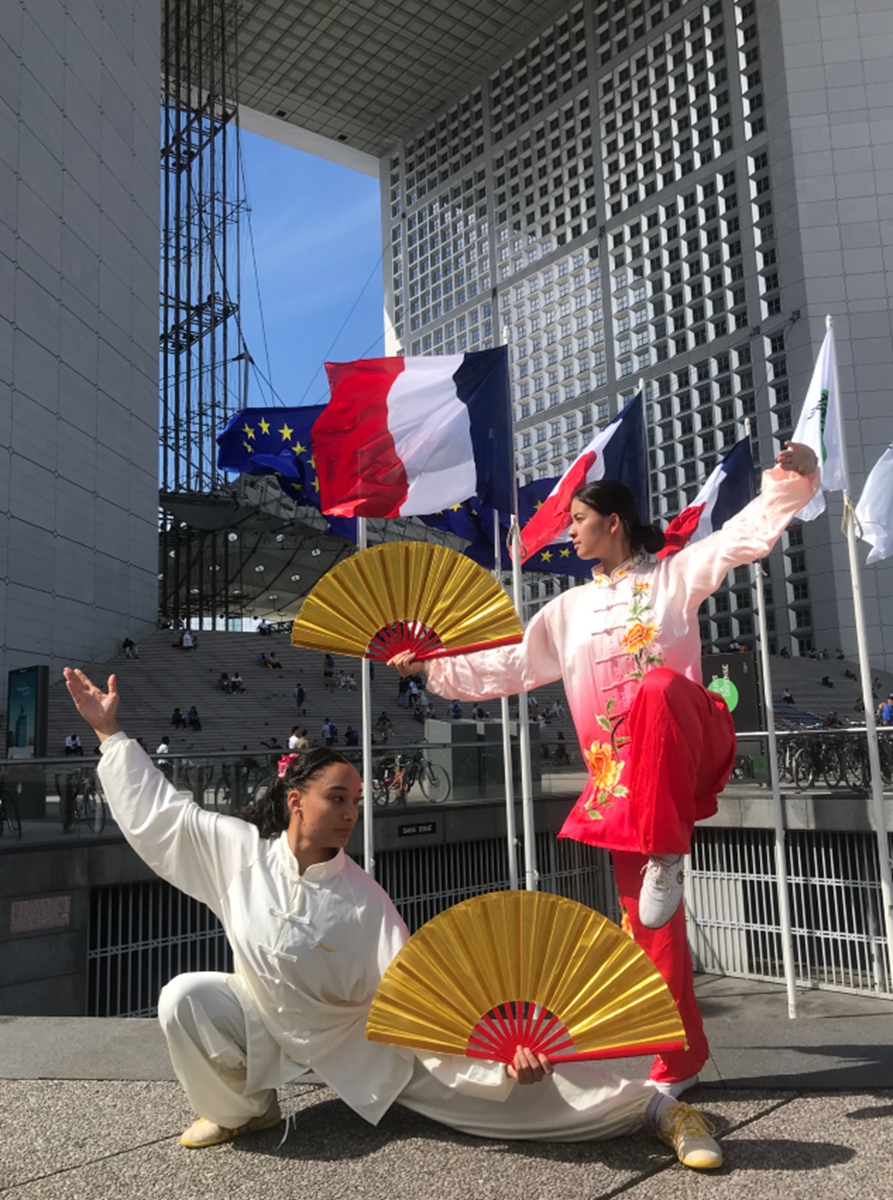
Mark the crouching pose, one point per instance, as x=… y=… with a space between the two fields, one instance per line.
x=312 y=935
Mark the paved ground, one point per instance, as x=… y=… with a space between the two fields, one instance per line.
x=88 y=1109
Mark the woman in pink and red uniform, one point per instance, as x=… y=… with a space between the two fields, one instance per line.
x=659 y=747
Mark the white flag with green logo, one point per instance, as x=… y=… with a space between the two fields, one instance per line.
x=820 y=427
x=874 y=512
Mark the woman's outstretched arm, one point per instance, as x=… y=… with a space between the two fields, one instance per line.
x=196 y=851
x=488 y=674
x=751 y=533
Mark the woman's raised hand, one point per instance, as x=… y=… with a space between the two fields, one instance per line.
x=98 y=708
x=405 y=663
x=528 y=1067
x=798 y=457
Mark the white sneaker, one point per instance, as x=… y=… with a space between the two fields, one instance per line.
x=689 y=1133
x=678 y=1086
x=661 y=890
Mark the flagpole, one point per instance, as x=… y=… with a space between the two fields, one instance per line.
x=366 y=737
x=874 y=761
x=511 y=832
x=778 y=822
x=650 y=513
x=531 y=876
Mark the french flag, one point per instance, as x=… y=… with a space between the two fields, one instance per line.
x=616 y=452
x=408 y=436
x=726 y=492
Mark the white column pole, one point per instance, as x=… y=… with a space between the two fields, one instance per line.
x=366 y=738
x=874 y=761
x=531 y=876
x=778 y=821
x=511 y=832
x=530 y=871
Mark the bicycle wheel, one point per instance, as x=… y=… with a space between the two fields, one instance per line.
x=804 y=770
x=434 y=782
x=381 y=793
x=11 y=813
x=885 y=751
x=223 y=799
x=855 y=764
x=94 y=809
x=832 y=766
x=263 y=786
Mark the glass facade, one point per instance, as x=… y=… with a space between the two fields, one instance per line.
x=603 y=203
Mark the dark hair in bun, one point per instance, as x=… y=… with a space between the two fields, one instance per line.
x=609 y=496
x=269 y=812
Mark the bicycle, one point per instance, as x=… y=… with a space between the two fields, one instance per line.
x=236 y=785
x=81 y=800
x=9 y=813
x=820 y=759
x=395 y=775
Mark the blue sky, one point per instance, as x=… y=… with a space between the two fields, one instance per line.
x=317 y=240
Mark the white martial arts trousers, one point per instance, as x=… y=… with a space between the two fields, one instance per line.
x=204 y=1024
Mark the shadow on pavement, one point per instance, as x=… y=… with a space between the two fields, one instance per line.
x=328 y=1131
x=856 y=1067
x=868 y=1114
x=783 y=1154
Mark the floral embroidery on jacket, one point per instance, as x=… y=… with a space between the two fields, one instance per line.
x=641 y=632
x=625 y=923
x=605 y=765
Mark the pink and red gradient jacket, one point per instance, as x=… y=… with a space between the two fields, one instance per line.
x=603 y=637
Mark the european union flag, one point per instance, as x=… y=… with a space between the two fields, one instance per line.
x=276 y=441
x=273 y=441
x=474 y=522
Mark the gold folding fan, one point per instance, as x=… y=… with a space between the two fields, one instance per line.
x=530 y=969
x=406 y=596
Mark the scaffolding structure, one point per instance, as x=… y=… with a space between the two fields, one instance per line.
x=202 y=354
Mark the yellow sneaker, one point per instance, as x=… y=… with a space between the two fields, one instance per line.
x=203 y=1133
x=689 y=1133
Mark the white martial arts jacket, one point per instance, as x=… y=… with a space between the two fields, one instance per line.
x=309 y=949
x=601 y=639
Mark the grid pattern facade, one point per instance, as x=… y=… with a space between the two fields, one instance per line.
x=604 y=202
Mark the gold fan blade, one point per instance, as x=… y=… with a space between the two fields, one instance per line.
x=404 y=581
x=523 y=946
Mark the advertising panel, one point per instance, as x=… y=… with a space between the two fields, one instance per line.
x=734 y=677
x=26 y=713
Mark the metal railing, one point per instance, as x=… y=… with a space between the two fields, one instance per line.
x=143 y=934
x=834 y=887
x=460 y=773
x=835 y=899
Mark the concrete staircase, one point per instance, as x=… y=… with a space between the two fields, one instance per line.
x=165 y=677
x=803 y=678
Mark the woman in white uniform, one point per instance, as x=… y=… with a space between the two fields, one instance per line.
x=311 y=935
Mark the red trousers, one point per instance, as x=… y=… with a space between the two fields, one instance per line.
x=681 y=753
x=668 y=950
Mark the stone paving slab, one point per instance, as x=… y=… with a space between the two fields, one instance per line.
x=106 y=1140
x=804 y=1108
x=837 y=1041
x=838 y=1147
x=83 y=1048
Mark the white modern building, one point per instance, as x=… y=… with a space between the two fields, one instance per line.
x=78 y=329
x=680 y=193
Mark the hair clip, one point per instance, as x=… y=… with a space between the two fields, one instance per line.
x=284 y=763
